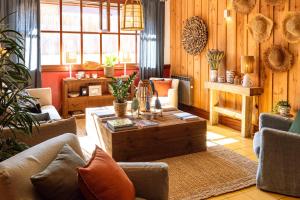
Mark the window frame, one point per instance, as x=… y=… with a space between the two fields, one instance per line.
x=62 y=67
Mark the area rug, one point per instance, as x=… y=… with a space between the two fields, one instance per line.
x=211 y=173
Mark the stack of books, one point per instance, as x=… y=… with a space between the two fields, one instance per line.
x=186 y=116
x=121 y=124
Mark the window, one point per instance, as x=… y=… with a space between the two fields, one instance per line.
x=88 y=28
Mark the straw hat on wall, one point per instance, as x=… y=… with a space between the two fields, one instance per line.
x=274 y=2
x=278 y=58
x=260 y=27
x=291 y=27
x=243 y=6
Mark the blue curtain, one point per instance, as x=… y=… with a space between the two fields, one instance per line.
x=26 y=20
x=152 y=39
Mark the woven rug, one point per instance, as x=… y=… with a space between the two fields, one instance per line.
x=211 y=173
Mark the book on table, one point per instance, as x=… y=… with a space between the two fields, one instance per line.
x=186 y=116
x=120 y=124
x=146 y=123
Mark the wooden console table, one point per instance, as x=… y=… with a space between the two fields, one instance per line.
x=247 y=104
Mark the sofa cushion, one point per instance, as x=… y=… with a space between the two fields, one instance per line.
x=257 y=143
x=52 y=112
x=32 y=104
x=41 y=117
x=59 y=180
x=104 y=179
x=162 y=87
x=295 y=128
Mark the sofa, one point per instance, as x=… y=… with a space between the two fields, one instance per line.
x=150 y=179
x=172 y=99
x=278 y=153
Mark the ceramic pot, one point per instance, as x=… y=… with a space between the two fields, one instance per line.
x=284 y=110
x=120 y=109
x=109 y=72
x=213 y=75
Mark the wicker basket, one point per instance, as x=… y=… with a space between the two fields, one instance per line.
x=120 y=109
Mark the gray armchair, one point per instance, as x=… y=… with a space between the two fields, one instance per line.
x=278 y=152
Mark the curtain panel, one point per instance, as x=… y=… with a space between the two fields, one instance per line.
x=152 y=40
x=24 y=17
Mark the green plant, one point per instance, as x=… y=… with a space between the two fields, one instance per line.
x=14 y=79
x=120 y=88
x=214 y=57
x=281 y=103
x=110 y=60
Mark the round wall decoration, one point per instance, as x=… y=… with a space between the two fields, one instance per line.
x=194 y=35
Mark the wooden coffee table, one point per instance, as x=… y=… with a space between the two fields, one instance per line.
x=172 y=137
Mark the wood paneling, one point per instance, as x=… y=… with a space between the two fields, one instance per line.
x=233 y=37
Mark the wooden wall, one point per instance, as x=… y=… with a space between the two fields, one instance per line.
x=233 y=37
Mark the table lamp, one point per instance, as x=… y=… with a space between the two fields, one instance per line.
x=247 y=68
x=125 y=58
x=71 y=58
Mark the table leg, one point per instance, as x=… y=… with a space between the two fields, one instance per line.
x=214 y=100
x=247 y=106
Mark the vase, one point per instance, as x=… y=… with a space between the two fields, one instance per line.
x=120 y=109
x=213 y=75
x=284 y=110
x=109 y=72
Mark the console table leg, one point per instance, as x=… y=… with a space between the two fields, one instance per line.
x=214 y=100
x=247 y=105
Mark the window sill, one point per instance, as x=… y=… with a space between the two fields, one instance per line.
x=65 y=68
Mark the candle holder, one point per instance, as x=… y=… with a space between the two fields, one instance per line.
x=247 y=68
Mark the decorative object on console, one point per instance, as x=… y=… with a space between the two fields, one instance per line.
x=94 y=75
x=221 y=79
x=125 y=58
x=237 y=80
x=84 y=91
x=95 y=90
x=133 y=16
x=283 y=108
x=194 y=35
x=243 y=6
x=290 y=27
x=120 y=92
x=144 y=93
x=214 y=58
x=71 y=58
x=260 y=27
x=247 y=68
x=73 y=94
x=277 y=58
x=230 y=74
x=109 y=63
x=274 y=2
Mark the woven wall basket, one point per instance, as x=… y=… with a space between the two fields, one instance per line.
x=194 y=35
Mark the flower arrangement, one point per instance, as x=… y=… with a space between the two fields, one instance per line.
x=214 y=58
x=283 y=108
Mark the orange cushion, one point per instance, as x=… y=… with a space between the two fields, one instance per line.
x=104 y=179
x=162 y=87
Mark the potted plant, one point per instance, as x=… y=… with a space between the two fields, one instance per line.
x=214 y=58
x=14 y=79
x=283 y=108
x=120 y=92
x=109 y=63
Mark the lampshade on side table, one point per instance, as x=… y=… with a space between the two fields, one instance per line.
x=247 y=67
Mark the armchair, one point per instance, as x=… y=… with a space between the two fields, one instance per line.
x=172 y=99
x=278 y=153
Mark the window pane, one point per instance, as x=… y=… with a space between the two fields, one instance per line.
x=138 y=48
x=91 y=16
x=109 y=45
x=104 y=16
x=50 y=16
x=128 y=47
x=114 y=17
x=91 y=48
x=50 y=48
x=71 y=15
x=71 y=43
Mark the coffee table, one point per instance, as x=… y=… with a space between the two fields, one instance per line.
x=172 y=137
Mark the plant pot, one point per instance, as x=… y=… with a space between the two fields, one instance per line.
x=213 y=75
x=109 y=72
x=120 y=109
x=284 y=110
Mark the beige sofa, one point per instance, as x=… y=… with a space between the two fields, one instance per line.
x=172 y=99
x=150 y=179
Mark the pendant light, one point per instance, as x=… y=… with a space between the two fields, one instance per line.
x=132 y=16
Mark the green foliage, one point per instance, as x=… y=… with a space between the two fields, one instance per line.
x=110 y=61
x=281 y=103
x=120 y=88
x=14 y=78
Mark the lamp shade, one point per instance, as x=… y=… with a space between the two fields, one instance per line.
x=133 y=16
x=247 y=63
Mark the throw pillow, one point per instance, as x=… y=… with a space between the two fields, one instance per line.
x=32 y=104
x=162 y=87
x=60 y=179
x=295 y=128
x=40 y=116
x=104 y=179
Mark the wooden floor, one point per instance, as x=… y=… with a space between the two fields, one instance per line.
x=221 y=135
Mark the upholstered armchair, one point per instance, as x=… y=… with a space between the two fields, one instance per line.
x=278 y=152
x=172 y=99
